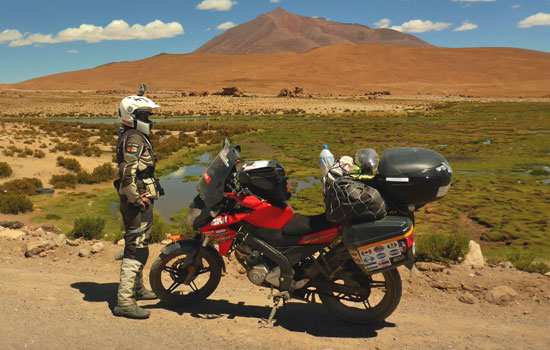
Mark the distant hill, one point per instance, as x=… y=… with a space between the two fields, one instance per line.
x=279 y=31
x=344 y=69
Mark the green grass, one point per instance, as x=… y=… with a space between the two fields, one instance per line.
x=495 y=195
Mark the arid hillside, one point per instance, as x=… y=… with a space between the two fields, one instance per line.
x=279 y=31
x=346 y=69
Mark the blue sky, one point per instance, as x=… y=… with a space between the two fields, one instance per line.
x=45 y=37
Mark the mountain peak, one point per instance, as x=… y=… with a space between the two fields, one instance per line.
x=280 y=30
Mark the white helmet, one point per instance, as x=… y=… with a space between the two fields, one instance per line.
x=130 y=107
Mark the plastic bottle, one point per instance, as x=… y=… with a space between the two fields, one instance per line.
x=326 y=160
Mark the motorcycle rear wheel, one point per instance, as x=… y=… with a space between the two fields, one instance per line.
x=169 y=271
x=361 y=298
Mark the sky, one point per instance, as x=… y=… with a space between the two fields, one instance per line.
x=39 y=37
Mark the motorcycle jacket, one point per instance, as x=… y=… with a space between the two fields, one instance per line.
x=136 y=163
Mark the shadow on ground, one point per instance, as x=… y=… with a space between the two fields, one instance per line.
x=98 y=292
x=294 y=316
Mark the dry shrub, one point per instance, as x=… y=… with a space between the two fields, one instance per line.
x=14 y=204
x=5 y=169
x=26 y=186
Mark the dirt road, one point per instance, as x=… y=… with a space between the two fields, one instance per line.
x=62 y=300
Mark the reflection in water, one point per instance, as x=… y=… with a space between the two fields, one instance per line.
x=179 y=191
x=310 y=182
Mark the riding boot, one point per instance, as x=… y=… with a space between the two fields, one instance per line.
x=143 y=293
x=126 y=303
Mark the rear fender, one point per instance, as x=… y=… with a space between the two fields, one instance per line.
x=191 y=246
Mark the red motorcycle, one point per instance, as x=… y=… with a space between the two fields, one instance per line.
x=350 y=267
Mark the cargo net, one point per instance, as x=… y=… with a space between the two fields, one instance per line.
x=347 y=199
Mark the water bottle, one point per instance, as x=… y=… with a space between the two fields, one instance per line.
x=326 y=160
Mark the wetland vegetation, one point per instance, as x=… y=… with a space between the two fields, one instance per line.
x=500 y=154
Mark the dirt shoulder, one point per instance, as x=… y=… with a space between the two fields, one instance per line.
x=63 y=300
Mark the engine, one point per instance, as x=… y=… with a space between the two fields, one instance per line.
x=258 y=268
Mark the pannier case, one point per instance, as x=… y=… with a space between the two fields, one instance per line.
x=413 y=176
x=266 y=179
x=380 y=245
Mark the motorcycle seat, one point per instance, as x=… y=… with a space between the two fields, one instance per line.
x=301 y=225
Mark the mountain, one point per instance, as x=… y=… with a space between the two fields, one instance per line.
x=344 y=69
x=280 y=30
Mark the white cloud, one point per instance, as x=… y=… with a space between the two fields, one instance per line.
x=116 y=30
x=466 y=25
x=218 y=5
x=383 y=23
x=517 y=6
x=540 y=19
x=275 y=1
x=420 y=26
x=225 y=26
x=72 y=51
x=10 y=35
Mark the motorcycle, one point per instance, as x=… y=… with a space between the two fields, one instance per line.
x=350 y=267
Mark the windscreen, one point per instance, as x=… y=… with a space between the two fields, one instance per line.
x=211 y=184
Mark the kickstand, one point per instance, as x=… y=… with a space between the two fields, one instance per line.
x=276 y=301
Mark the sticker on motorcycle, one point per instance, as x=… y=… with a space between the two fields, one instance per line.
x=382 y=255
x=220 y=220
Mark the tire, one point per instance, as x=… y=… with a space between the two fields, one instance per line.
x=169 y=270
x=376 y=296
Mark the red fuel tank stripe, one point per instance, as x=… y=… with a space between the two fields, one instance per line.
x=319 y=237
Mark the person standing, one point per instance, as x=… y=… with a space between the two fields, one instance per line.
x=138 y=189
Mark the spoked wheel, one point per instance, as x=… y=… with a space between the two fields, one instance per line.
x=356 y=297
x=177 y=280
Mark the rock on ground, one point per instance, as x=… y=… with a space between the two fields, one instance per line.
x=501 y=295
x=468 y=298
x=84 y=252
x=59 y=240
x=474 y=256
x=11 y=234
x=98 y=247
x=37 y=247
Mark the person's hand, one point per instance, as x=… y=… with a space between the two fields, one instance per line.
x=143 y=202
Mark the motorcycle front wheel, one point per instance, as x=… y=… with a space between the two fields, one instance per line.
x=177 y=279
x=356 y=297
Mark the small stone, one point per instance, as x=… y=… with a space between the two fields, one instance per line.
x=98 y=247
x=241 y=269
x=56 y=259
x=506 y=265
x=426 y=266
x=166 y=241
x=547 y=274
x=59 y=240
x=84 y=252
x=526 y=312
x=42 y=254
x=51 y=228
x=468 y=298
x=120 y=242
x=73 y=243
x=119 y=255
x=501 y=295
x=37 y=232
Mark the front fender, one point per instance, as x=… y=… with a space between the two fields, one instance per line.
x=190 y=246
